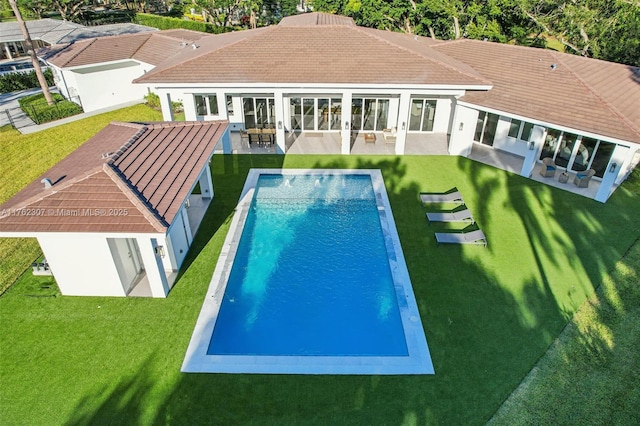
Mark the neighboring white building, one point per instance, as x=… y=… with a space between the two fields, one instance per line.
x=117 y=216
x=98 y=73
x=47 y=32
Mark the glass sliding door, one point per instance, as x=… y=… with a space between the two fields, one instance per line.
x=584 y=154
x=489 y=133
x=308 y=107
x=550 y=144
x=416 y=114
x=336 y=114
x=601 y=158
x=324 y=112
x=249 y=113
x=369 y=114
x=422 y=115
x=356 y=114
x=477 y=136
x=295 y=109
x=428 y=115
x=567 y=143
x=262 y=113
x=383 y=114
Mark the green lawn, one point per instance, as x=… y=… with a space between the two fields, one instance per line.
x=489 y=314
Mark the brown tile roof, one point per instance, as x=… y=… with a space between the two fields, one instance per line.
x=148 y=174
x=340 y=54
x=316 y=18
x=151 y=48
x=580 y=93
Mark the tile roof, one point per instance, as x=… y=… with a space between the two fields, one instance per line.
x=151 y=48
x=580 y=93
x=54 y=31
x=319 y=52
x=138 y=187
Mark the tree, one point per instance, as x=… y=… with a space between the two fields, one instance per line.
x=32 y=52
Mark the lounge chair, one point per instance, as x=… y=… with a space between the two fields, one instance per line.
x=473 y=237
x=582 y=178
x=459 y=216
x=548 y=168
x=452 y=197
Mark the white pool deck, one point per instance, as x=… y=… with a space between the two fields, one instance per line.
x=418 y=360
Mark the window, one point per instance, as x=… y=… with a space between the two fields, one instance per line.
x=526 y=131
x=477 y=136
x=229 y=105
x=490 y=127
x=422 y=116
x=514 y=128
x=259 y=112
x=206 y=105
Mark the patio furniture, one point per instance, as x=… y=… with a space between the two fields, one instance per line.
x=452 y=197
x=244 y=135
x=564 y=177
x=582 y=178
x=459 y=216
x=370 y=137
x=548 y=168
x=473 y=237
x=389 y=135
x=254 y=136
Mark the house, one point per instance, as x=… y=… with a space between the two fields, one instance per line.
x=47 y=32
x=117 y=216
x=98 y=72
x=320 y=74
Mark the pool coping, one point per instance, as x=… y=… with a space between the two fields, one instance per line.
x=417 y=362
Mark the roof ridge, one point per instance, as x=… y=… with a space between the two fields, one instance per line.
x=86 y=46
x=125 y=146
x=139 y=202
x=416 y=37
x=55 y=189
x=606 y=104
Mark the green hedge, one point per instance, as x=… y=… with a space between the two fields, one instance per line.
x=15 y=81
x=40 y=112
x=166 y=23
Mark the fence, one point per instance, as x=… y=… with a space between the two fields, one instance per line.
x=38 y=113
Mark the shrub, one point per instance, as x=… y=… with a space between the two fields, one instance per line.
x=165 y=23
x=153 y=101
x=15 y=81
x=40 y=112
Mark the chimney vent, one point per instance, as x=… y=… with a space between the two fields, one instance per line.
x=47 y=183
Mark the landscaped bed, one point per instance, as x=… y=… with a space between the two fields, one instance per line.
x=488 y=313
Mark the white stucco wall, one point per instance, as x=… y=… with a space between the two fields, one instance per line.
x=109 y=84
x=82 y=264
x=461 y=140
x=442 y=116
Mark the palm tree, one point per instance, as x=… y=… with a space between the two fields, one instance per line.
x=32 y=52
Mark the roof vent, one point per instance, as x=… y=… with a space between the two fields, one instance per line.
x=194 y=46
x=554 y=66
x=183 y=44
x=47 y=183
x=106 y=155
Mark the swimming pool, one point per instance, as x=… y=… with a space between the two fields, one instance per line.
x=311 y=280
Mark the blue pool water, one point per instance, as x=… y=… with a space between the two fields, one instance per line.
x=311 y=275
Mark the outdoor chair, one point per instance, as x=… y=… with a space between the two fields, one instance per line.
x=459 y=216
x=473 y=237
x=548 y=168
x=582 y=178
x=452 y=197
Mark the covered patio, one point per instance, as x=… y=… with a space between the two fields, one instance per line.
x=328 y=143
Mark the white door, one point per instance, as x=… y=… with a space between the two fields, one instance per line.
x=127 y=260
